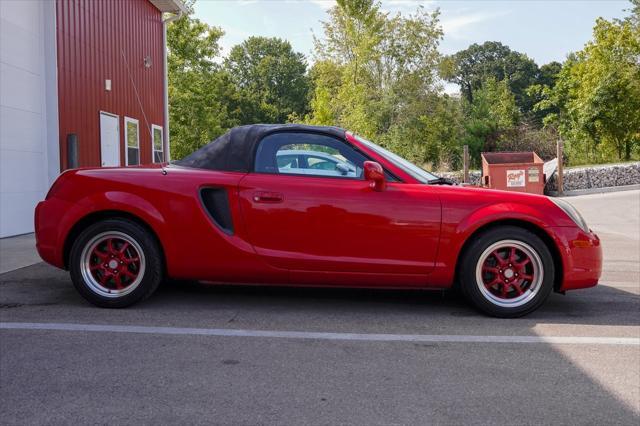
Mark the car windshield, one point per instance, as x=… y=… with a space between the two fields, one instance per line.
x=416 y=172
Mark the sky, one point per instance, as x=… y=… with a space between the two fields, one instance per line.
x=544 y=30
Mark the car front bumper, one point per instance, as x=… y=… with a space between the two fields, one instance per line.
x=581 y=254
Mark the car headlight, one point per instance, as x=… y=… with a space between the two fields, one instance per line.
x=571 y=212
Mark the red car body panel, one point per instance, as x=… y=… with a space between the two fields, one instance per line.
x=337 y=231
x=342 y=225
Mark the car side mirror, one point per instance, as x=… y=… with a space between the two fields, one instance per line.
x=374 y=173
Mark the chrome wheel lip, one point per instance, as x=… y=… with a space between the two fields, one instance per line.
x=532 y=290
x=85 y=265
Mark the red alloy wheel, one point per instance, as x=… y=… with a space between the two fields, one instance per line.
x=509 y=273
x=113 y=264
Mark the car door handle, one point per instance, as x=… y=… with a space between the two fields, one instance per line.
x=268 y=197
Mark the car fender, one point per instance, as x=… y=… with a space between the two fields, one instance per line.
x=485 y=215
x=121 y=201
x=579 y=252
x=459 y=224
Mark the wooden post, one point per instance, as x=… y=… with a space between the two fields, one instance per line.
x=560 y=171
x=465 y=164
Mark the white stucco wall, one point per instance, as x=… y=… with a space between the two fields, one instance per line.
x=29 y=151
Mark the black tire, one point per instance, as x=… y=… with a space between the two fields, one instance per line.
x=150 y=268
x=484 y=297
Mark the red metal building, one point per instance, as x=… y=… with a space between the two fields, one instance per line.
x=111 y=81
x=82 y=83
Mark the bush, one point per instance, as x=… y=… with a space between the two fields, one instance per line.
x=525 y=137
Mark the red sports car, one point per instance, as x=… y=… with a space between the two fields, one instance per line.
x=309 y=206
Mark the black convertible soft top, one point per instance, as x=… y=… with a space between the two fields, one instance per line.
x=235 y=150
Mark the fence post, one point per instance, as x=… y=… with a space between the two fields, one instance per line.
x=560 y=172
x=465 y=164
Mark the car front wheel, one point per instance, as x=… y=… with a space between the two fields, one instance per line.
x=115 y=263
x=507 y=272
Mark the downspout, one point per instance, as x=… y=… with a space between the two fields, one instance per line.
x=165 y=22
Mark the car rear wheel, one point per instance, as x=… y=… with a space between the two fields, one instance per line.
x=507 y=272
x=115 y=263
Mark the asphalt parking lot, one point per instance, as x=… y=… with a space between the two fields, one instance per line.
x=377 y=357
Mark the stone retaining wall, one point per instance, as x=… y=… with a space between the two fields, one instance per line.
x=603 y=176
x=598 y=177
x=474 y=176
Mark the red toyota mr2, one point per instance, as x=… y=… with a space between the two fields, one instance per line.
x=309 y=206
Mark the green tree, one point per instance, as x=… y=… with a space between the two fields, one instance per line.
x=203 y=101
x=548 y=74
x=471 y=67
x=377 y=74
x=443 y=132
x=545 y=82
x=271 y=77
x=326 y=79
x=344 y=58
x=598 y=93
x=634 y=18
x=492 y=112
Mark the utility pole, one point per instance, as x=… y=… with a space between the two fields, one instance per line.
x=559 y=154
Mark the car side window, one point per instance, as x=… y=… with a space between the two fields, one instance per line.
x=308 y=154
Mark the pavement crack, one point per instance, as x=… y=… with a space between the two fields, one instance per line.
x=10 y=305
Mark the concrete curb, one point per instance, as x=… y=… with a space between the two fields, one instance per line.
x=596 y=190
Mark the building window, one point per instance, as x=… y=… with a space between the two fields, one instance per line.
x=132 y=141
x=158 y=144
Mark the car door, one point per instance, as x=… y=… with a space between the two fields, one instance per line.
x=312 y=222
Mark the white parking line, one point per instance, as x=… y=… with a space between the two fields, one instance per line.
x=367 y=337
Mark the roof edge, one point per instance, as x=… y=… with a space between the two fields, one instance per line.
x=169 y=6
